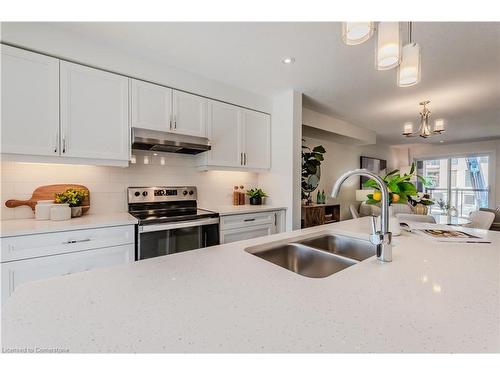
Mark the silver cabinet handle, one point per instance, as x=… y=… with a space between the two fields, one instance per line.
x=56 y=143
x=175 y=123
x=245 y=158
x=64 y=145
x=76 y=241
x=252 y=219
x=241 y=158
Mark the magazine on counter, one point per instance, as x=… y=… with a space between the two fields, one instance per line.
x=443 y=233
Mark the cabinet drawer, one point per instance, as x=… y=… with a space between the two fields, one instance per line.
x=28 y=270
x=240 y=234
x=245 y=220
x=37 y=245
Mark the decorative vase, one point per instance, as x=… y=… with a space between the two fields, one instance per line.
x=394 y=224
x=420 y=209
x=256 y=201
x=76 y=211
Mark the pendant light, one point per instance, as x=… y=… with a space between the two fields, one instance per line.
x=388 y=51
x=409 y=69
x=354 y=33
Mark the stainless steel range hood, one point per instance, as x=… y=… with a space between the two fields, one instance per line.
x=158 y=141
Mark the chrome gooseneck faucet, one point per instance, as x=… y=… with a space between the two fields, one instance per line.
x=382 y=238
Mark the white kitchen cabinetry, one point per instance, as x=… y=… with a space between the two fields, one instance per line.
x=240 y=138
x=224 y=132
x=247 y=226
x=156 y=107
x=30 y=103
x=151 y=106
x=189 y=114
x=36 y=257
x=256 y=139
x=94 y=113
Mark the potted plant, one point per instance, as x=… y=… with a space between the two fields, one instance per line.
x=256 y=196
x=420 y=203
x=311 y=170
x=401 y=189
x=74 y=197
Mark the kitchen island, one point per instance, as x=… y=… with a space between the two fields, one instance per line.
x=433 y=297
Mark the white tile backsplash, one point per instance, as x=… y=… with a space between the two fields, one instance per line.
x=108 y=185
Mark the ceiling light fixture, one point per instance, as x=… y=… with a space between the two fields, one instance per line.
x=424 y=129
x=354 y=33
x=388 y=51
x=288 y=60
x=409 y=69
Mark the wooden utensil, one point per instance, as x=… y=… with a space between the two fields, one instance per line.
x=47 y=192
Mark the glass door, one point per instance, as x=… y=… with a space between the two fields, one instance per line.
x=460 y=182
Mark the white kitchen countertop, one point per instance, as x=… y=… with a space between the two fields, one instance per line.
x=243 y=209
x=433 y=297
x=19 y=227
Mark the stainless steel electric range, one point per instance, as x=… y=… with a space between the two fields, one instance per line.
x=170 y=221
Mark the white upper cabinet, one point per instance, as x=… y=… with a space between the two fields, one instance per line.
x=240 y=138
x=189 y=114
x=30 y=102
x=224 y=132
x=151 y=106
x=94 y=113
x=256 y=139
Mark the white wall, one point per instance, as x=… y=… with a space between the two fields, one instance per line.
x=282 y=182
x=44 y=38
x=457 y=149
x=340 y=158
x=108 y=185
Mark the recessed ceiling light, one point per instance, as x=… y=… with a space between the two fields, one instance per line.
x=288 y=60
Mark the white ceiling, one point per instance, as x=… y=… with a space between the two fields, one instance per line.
x=460 y=68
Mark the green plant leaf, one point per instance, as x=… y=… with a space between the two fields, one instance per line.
x=319 y=149
x=371 y=183
x=393 y=187
x=391 y=173
x=412 y=169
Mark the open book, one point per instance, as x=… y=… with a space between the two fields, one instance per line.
x=442 y=233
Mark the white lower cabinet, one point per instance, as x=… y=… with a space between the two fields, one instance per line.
x=247 y=226
x=30 y=258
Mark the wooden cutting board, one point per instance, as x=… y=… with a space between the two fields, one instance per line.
x=47 y=192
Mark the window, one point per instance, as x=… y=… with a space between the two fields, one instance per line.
x=460 y=182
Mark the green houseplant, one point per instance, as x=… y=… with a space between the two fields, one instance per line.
x=311 y=169
x=256 y=196
x=401 y=189
x=75 y=198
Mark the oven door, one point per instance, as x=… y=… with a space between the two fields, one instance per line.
x=170 y=238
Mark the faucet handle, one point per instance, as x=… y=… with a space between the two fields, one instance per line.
x=376 y=237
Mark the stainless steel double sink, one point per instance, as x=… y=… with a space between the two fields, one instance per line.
x=316 y=257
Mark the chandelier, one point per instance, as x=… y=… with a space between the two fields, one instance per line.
x=424 y=129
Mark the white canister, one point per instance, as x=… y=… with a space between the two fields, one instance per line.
x=60 y=211
x=42 y=209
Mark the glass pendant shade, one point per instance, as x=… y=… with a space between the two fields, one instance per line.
x=356 y=32
x=409 y=69
x=388 y=45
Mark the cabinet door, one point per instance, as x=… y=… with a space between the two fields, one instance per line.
x=23 y=271
x=151 y=106
x=240 y=234
x=30 y=103
x=190 y=114
x=94 y=113
x=257 y=139
x=224 y=132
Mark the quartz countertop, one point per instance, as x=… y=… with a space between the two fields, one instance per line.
x=433 y=297
x=243 y=209
x=19 y=227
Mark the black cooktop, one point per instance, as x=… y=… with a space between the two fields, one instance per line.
x=169 y=215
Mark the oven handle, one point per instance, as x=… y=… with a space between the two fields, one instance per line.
x=183 y=224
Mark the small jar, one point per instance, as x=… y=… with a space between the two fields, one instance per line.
x=42 y=209
x=60 y=211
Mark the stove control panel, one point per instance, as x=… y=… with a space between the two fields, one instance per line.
x=161 y=194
